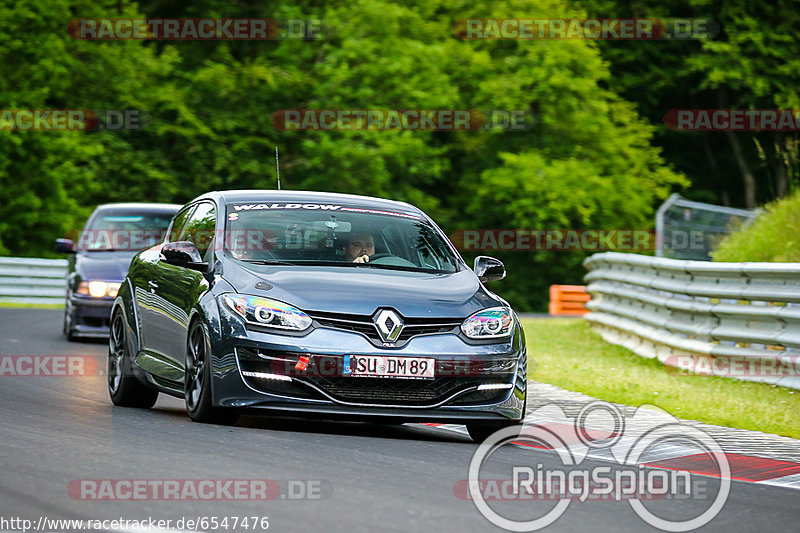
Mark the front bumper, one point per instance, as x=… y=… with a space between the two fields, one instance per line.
x=90 y=316
x=473 y=382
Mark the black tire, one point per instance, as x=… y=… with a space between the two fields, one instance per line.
x=123 y=387
x=197 y=384
x=67 y=328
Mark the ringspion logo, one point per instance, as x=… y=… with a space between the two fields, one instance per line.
x=628 y=451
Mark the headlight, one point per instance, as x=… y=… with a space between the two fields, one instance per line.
x=267 y=312
x=98 y=289
x=491 y=323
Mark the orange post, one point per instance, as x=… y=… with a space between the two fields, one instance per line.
x=568 y=300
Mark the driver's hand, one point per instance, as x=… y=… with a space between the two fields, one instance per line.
x=361 y=259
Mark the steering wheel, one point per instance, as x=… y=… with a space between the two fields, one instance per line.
x=373 y=257
x=390 y=260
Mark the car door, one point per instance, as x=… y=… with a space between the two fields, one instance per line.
x=180 y=288
x=145 y=281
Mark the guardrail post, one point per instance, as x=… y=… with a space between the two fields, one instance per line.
x=738 y=320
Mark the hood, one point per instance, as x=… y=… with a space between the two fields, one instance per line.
x=103 y=266
x=360 y=290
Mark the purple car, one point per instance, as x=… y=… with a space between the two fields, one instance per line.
x=99 y=261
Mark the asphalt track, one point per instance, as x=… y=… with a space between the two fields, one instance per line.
x=373 y=477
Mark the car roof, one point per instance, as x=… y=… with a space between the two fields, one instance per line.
x=267 y=195
x=137 y=206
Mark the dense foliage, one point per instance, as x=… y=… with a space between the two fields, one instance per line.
x=753 y=63
x=590 y=161
x=772 y=236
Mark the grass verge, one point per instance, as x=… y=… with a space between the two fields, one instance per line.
x=567 y=353
x=14 y=305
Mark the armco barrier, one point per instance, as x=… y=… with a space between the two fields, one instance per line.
x=32 y=281
x=568 y=300
x=724 y=316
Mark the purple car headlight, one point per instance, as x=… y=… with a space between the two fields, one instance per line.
x=267 y=312
x=492 y=323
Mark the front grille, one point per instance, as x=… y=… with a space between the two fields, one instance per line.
x=363 y=324
x=324 y=373
x=392 y=391
x=95 y=317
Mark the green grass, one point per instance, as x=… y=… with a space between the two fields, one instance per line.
x=30 y=306
x=567 y=353
x=772 y=236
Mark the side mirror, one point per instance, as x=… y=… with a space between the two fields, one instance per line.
x=488 y=268
x=183 y=254
x=65 y=246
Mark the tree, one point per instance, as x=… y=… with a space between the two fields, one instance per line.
x=50 y=180
x=752 y=64
x=587 y=162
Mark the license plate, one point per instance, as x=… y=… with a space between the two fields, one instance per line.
x=388 y=366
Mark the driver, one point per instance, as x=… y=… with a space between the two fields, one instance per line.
x=361 y=247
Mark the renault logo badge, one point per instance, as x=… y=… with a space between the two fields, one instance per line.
x=389 y=325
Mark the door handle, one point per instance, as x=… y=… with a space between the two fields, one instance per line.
x=153 y=285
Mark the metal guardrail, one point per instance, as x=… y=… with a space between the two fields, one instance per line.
x=32 y=281
x=734 y=319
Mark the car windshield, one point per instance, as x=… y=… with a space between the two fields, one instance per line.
x=339 y=236
x=124 y=230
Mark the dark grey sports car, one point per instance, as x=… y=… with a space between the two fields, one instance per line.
x=316 y=304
